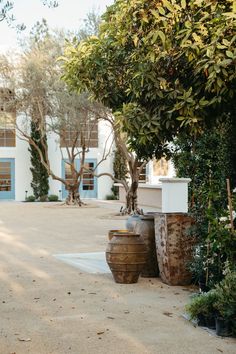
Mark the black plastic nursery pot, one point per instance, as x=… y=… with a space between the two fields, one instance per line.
x=201 y=320
x=210 y=322
x=223 y=327
x=206 y=321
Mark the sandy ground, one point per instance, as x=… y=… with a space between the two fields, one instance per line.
x=47 y=306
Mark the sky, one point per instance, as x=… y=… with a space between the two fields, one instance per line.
x=69 y=15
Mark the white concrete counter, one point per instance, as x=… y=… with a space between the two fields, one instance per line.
x=170 y=196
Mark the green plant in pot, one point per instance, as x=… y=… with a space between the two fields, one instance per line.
x=197 y=267
x=225 y=305
x=201 y=308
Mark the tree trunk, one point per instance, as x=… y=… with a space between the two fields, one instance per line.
x=132 y=199
x=73 y=197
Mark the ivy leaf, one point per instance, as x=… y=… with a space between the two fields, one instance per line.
x=154 y=37
x=225 y=42
x=183 y=4
x=229 y=54
x=152 y=57
x=155 y=14
x=162 y=36
x=187 y=24
x=168 y=5
x=135 y=40
x=162 y=11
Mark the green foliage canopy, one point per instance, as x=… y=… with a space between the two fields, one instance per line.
x=161 y=66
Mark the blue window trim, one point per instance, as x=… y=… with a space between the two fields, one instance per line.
x=11 y=194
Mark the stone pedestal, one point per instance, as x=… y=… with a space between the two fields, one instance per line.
x=174 y=247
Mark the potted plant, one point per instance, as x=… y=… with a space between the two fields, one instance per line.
x=201 y=308
x=225 y=305
x=197 y=268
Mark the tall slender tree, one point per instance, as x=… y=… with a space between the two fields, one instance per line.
x=40 y=183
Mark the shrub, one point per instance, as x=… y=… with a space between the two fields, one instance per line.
x=202 y=304
x=30 y=198
x=226 y=297
x=53 y=198
x=111 y=197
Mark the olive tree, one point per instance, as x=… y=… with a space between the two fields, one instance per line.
x=44 y=100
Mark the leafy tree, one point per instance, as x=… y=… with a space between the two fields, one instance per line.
x=163 y=66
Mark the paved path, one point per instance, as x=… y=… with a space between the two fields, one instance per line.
x=50 y=307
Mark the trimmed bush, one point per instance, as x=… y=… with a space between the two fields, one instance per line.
x=30 y=198
x=111 y=197
x=53 y=198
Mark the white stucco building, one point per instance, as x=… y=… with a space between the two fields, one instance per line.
x=15 y=174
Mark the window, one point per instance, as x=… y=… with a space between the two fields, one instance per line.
x=7 y=119
x=5 y=176
x=7 y=137
x=88 y=178
x=160 y=167
x=87 y=131
x=68 y=174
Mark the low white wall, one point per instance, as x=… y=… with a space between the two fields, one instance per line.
x=148 y=194
x=170 y=196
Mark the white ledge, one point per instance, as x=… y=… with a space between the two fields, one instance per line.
x=143 y=185
x=175 y=180
x=151 y=186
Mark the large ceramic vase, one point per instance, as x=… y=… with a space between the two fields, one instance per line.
x=126 y=255
x=145 y=227
x=111 y=233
